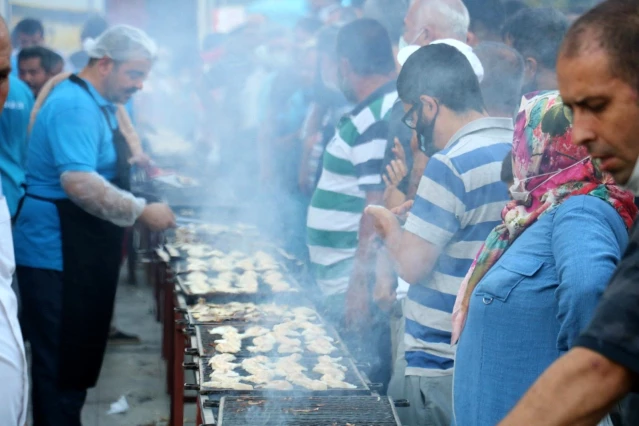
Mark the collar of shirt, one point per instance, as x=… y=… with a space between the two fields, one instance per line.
x=385 y=89
x=480 y=125
x=101 y=100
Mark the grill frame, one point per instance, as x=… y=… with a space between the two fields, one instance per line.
x=353 y=376
x=341 y=406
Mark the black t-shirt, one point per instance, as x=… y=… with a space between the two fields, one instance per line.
x=614 y=330
x=397 y=129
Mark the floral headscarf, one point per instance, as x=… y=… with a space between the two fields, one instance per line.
x=546 y=163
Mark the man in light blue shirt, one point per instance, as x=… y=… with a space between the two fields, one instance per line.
x=14 y=123
x=458 y=203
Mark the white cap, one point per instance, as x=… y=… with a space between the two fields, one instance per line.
x=466 y=50
x=122 y=43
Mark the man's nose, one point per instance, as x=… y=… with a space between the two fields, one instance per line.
x=583 y=130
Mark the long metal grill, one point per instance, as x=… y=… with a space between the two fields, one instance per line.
x=352 y=376
x=305 y=411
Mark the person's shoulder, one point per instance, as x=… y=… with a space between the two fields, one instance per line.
x=67 y=96
x=601 y=212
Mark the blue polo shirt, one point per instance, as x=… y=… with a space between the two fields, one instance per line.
x=14 y=122
x=71 y=133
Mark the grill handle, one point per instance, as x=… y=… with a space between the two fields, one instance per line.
x=181 y=311
x=191 y=351
x=189 y=331
x=402 y=403
x=211 y=404
x=190 y=366
x=376 y=386
x=191 y=387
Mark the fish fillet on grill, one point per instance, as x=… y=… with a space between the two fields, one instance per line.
x=198 y=250
x=335 y=383
x=254 y=331
x=330 y=370
x=278 y=385
x=289 y=365
x=217 y=285
x=173 y=252
x=303 y=313
x=289 y=349
x=229 y=344
x=256 y=364
x=279 y=286
x=220 y=264
x=304 y=381
x=246 y=264
x=227 y=383
x=286 y=329
x=263 y=343
x=320 y=345
x=261 y=377
x=222 y=363
x=248 y=282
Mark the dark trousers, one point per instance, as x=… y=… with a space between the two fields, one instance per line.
x=41 y=291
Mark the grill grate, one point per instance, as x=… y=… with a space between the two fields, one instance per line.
x=206 y=342
x=203 y=313
x=352 y=376
x=306 y=411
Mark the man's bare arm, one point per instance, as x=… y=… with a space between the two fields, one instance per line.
x=579 y=389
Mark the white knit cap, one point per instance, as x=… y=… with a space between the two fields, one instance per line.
x=466 y=50
x=122 y=43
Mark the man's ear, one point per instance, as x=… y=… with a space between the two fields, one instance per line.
x=105 y=65
x=530 y=69
x=471 y=39
x=429 y=107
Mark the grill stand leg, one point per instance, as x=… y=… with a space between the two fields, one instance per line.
x=177 y=396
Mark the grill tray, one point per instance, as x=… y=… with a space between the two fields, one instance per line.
x=206 y=345
x=306 y=411
x=352 y=376
x=252 y=317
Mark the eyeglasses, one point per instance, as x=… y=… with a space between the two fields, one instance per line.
x=409 y=118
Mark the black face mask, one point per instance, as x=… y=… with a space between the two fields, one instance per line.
x=425 y=134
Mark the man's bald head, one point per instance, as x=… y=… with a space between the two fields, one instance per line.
x=612 y=26
x=430 y=20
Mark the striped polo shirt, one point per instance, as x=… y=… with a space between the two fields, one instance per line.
x=352 y=166
x=458 y=203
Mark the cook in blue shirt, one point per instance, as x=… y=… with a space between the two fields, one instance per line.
x=61 y=141
x=14 y=123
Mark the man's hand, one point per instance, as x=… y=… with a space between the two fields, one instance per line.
x=140 y=159
x=158 y=217
x=395 y=172
x=398 y=150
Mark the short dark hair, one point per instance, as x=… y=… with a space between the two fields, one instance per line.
x=612 y=26
x=537 y=33
x=94 y=27
x=367 y=47
x=48 y=58
x=443 y=72
x=389 y=13
x=513 y=6
x=488 y=14
x=28 y=26
x=503 y=75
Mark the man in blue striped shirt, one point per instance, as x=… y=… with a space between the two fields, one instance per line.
x=459 y=201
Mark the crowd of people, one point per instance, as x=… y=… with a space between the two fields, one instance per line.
x=459 y=176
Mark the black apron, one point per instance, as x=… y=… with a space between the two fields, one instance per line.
x=91 y=253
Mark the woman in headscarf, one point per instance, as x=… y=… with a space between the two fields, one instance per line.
x=535 y=284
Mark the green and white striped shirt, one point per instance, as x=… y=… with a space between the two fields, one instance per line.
x=352 y=166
